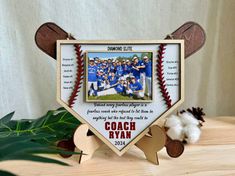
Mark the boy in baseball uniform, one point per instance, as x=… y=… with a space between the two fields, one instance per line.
x=128 y=68
x=100 y=80
x=92 y=76
x=135 y=88
x=113 y=67
x=112 y=79
x=117 y=88
x=119 y=70
x=135 y=70
x=141 y=68
x=148 y=74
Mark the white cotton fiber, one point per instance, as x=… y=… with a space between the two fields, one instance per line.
x=192 y=133
x=176 y=132
x=188 y=119
x=172 y=121
x=183 y=127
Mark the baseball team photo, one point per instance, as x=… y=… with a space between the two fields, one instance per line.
x=119 y=76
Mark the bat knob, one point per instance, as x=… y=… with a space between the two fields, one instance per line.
x=174 y=148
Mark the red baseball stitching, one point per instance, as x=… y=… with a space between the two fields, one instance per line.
x=79 y=75
x=160 y=75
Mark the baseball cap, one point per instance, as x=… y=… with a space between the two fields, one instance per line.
x=135 y=57
x=121 y=79
x=145 y=57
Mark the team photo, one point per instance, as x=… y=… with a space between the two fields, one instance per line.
x=119 y=76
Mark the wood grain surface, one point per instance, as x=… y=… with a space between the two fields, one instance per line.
x=213 y=155
x=192 y=33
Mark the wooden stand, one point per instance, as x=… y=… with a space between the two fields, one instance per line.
x=150 y=144
x=87 y=145
x=194 y=36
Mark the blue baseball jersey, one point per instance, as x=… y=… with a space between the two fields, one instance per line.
x=125 y=69
x=112 y=68
x=141 y=63
x=136 y=86
x=148 y=69
x=105 y=70
x=119 y=70
x=100 y=79
x=119 y=88
x=92 y=73
x=128 y=69
x=136 y=73
x=104 y=67
x=99 y=65
x=112 y=80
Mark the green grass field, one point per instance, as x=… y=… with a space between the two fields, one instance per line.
x=117 y=97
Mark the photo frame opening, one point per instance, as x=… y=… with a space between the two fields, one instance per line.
x=119 y=76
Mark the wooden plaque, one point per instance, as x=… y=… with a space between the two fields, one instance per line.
x=120 y=88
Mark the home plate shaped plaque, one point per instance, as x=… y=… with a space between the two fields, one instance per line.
x=120 y=88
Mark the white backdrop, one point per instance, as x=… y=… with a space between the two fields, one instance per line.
x=27 y=75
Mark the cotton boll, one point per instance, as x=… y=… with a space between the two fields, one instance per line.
x=192 y=133
x=188 y=119
x=172 y=121
x=176 y=132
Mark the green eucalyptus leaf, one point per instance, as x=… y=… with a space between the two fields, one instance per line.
x=58 y=122
x=6 y=118
x=37 y=158
x=18 y=145
x=17 y=151
x=24 y=139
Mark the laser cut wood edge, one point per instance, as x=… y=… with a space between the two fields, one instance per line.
x=149 y=144
x=48 y=33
